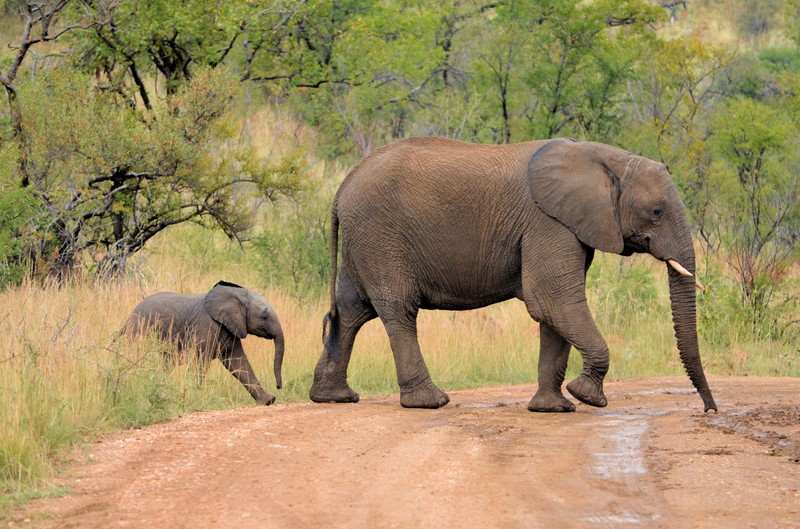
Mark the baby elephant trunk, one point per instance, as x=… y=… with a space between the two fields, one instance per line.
x=278 y=358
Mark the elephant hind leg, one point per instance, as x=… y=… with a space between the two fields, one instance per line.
x=417 y=390
x=330 y=375
x=553 y=357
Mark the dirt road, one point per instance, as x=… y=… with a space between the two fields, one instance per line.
x=652 y=458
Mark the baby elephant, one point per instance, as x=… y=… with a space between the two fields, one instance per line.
x=214 y=324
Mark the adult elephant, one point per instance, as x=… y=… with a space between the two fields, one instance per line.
x=214 y=324
x=432 y=223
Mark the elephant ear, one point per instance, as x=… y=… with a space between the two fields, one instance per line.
x=226 y=303
x=572 y=182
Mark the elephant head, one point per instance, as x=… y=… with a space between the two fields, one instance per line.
x=618 y=202
x=243 y=312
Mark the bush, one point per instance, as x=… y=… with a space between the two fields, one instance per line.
x=624 y=296
x=723 y=320
x=17 y=207
x=293 y=250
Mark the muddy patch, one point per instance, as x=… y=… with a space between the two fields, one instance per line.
x=776 y=428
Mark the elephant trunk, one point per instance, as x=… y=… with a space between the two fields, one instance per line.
x=279 y=344
x=684 y=318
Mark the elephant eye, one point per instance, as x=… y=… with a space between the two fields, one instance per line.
x=658 y=212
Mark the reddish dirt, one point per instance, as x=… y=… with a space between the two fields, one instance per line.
x=652 y=458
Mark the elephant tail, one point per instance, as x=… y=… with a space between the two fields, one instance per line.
x=329 y=324
x=330 y=335
x=334 y=255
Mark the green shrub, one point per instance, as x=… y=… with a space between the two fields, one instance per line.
x=293 y=250
x=778 y=60
x=623 y=292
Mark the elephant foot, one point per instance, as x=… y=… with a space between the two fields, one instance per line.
x=425 y=397
x=549 y=401
x=588 y=391
x=325 y=393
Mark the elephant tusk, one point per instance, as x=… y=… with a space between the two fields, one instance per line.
x=677 y=266
x=684 y=272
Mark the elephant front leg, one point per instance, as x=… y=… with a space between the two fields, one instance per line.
x=236 y=362
x=588 y=387
x=574 y=325
x=555 y=293
x=553 y=357
x=582 y=332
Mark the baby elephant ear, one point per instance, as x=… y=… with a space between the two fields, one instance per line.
x=226 y=303
x=573 y=183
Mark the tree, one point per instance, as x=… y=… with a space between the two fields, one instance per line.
x=40 y=27
x=108 y=178
x=135 y=42
x=755 y=216
x=558 y=68
x=101 y=164
x=671 y=99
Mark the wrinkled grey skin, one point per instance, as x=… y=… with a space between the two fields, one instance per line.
x=431 y=223
x=215 y=324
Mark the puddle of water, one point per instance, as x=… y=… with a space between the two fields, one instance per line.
x=623 y=518
x=623 y=434
x=617 y=456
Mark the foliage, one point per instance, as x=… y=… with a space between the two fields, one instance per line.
x=682 y=78
x=17 y=207
x=365 y=73
x=372 y=62
x=293 y=249
x=107 y=172
x=779 y=60
x=567 y=63
x=109 y=178
x=130 y=40
x=756 y=179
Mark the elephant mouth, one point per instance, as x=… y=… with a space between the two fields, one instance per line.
x=637 y=243
x=641 y=244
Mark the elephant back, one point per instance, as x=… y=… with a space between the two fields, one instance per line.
x=169 y=314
